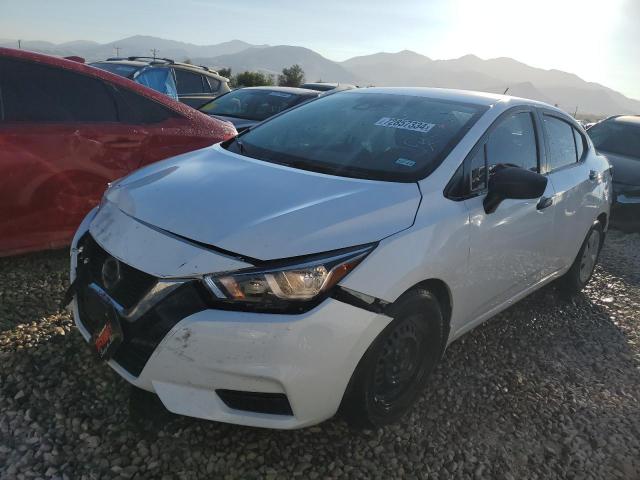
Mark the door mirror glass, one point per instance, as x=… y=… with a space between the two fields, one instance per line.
x=159 y=79
x=514 y=183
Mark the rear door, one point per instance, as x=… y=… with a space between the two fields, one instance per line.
x=193 y=88
x=61 y=142
x=167 y=132
x=574 y=183
x=509 y=247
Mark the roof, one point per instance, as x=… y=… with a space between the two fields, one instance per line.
x=135 y=63
x=291 y=90
x=145 y=61
x=465 y=96
x=629 y=119
x=329 y=84
x=58 y=62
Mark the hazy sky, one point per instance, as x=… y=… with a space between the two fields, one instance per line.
x=597 y=39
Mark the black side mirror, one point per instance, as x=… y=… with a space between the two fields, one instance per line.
x=513 y=182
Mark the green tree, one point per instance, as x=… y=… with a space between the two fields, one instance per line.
x=253 y=79
x=225 y=72
x=291 y=77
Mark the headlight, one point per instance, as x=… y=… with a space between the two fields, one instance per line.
x=292 y=286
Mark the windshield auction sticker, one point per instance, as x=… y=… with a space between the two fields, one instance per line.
x=404 y=124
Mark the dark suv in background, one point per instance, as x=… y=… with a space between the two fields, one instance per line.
x=618 y=138
x=192 y=84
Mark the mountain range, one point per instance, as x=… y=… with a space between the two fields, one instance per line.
x=405 y=68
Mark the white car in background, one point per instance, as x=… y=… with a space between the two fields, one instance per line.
x=324 y=260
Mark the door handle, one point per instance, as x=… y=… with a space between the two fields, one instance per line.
x=544 y=202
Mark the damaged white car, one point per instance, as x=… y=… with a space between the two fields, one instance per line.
x=323 y=260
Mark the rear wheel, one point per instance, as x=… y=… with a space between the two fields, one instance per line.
x=582 y=268
x=395 y=368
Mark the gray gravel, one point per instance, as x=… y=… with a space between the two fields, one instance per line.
x=548 y=389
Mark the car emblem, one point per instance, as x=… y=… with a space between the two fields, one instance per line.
x=110 y=272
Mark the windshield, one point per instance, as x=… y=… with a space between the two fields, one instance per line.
x=616 y=137
x=117 y=68
x=251 y=104
x=365 y=135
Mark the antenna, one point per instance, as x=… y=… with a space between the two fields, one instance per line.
x=576 y=112
x=506 y=90
x=154 y=52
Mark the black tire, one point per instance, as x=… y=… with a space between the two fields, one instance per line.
x=577 y=277
x=394 y=370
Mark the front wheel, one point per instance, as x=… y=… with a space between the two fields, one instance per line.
x=394 y=370
x=582 y=268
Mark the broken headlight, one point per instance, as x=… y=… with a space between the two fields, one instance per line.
x=296 y=285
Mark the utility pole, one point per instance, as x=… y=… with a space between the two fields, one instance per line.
x=117 y=49
x=576 y=112
x=154 y=51
x=20 y=44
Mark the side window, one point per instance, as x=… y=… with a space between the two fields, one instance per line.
x=561 y=141
x=478 y=171
x=39 y=93
x=159 y=79
x=513 y=143
x=189 y=82
x=213 y=84
x=580 y=143
x=136 y=109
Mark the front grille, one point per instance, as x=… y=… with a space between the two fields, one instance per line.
x=142 y=336
x=134 y=284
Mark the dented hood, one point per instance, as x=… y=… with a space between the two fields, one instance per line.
x=263 y=210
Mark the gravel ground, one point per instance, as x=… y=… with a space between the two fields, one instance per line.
x=548 y=389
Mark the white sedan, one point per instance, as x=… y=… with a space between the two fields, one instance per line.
x=323 y=260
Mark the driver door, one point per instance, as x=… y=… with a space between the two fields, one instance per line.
x=509 y=248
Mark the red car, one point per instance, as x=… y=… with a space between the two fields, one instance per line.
x=66 y=130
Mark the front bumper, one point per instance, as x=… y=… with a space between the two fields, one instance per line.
x=307 y=358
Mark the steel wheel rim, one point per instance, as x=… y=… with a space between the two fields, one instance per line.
x=399 y=364
x=589 y=255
